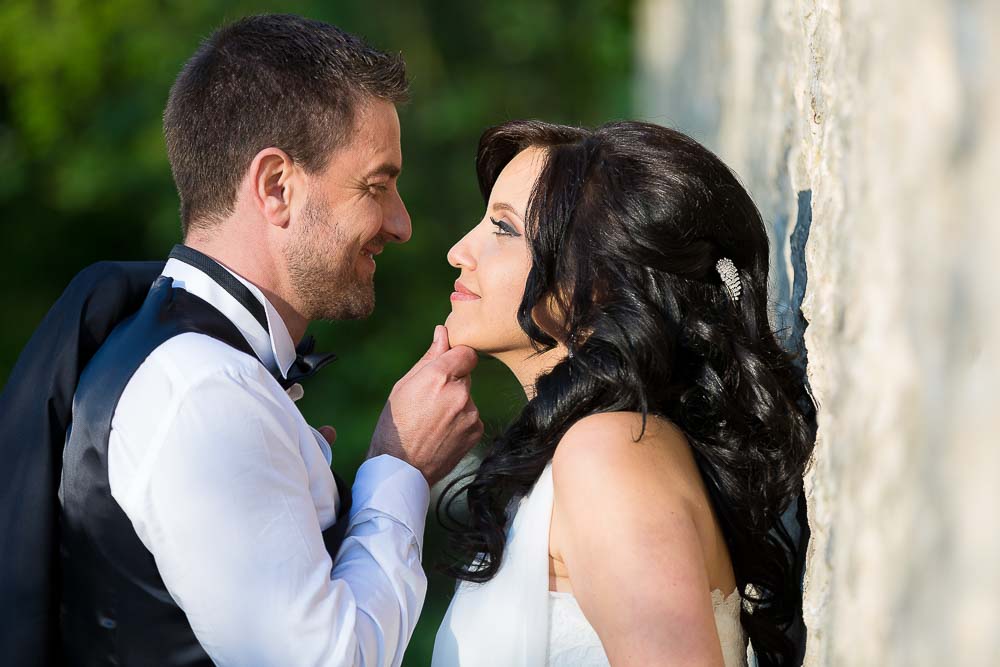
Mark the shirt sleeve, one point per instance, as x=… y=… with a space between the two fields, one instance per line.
x=224 y=506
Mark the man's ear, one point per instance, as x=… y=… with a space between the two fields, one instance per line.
x=273 y=183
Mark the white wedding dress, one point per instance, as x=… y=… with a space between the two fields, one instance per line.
x=514 y=619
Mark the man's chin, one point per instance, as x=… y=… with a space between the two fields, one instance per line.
x=353 y=311
x=358 y=305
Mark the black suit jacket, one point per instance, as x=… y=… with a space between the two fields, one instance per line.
x=35 y=410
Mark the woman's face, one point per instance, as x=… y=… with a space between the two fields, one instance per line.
x=495 y=260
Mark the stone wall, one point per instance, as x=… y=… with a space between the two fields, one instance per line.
x=869 y=135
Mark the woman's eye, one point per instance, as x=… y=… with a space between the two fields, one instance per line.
x=504 y=228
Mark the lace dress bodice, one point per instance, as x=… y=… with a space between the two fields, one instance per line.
x=514 y=619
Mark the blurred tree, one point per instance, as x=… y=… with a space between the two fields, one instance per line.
x=85 y=175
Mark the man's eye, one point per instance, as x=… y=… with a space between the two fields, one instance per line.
x=504 y=228
x=377 y=188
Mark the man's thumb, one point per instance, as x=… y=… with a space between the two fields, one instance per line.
x=440 y=344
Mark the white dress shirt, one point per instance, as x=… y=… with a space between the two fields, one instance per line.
x=229 y=488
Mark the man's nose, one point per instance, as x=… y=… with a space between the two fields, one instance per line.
x=396 y=224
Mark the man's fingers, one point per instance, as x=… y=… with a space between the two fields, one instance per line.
x=329 y=433
x=453 y=378
x=439 y=345
x=474 y=428
x=478 y=430
x=470 y=413
x=459 y=361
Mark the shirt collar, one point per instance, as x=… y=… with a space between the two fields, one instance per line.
x=275 y=349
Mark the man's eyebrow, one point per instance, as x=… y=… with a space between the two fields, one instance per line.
x=504 y=206
x=387 y=169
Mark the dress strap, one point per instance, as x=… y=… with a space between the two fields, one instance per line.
x=505 y=621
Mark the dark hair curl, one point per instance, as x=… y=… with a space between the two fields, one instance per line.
x=625 y=225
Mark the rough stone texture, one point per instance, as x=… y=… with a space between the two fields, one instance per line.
x=869 y=134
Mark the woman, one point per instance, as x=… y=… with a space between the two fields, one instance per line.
x=631 y=513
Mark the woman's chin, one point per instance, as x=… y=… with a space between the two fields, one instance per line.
x=458 y=332
x=467 y=333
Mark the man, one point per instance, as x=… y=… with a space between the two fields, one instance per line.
x=284 y=144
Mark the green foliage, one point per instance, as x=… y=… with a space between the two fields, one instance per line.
x=85 y=176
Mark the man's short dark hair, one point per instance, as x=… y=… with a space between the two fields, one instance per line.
x=271 y=80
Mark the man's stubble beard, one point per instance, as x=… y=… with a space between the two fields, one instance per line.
x=321 y=264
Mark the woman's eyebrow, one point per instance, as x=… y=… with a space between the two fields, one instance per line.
x=504 y=206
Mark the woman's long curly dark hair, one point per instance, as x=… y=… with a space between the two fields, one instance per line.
x=625 y=225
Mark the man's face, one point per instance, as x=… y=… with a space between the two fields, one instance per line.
x=351 y=211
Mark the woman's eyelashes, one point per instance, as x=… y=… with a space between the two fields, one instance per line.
x=504 y=228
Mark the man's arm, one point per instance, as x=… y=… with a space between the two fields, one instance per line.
x=223 y=503
x=385 y=534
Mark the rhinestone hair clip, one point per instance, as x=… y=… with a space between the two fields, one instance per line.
x=730 y=277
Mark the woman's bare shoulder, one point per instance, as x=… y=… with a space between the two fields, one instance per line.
x=613 y=446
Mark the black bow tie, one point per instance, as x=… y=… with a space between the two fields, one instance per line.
x=307 y=363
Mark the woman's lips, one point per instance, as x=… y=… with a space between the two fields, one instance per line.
x=462 y=293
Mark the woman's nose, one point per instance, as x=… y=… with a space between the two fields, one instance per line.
x=461 y=255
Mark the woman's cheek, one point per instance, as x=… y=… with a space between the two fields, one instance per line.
x=490 y=324
x=515 y=278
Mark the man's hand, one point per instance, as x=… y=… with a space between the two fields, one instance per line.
x=430 y=420
x=329 y=434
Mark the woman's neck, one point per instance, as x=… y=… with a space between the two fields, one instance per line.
x=528 y=365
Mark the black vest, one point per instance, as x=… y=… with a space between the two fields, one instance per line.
x=114 y=607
